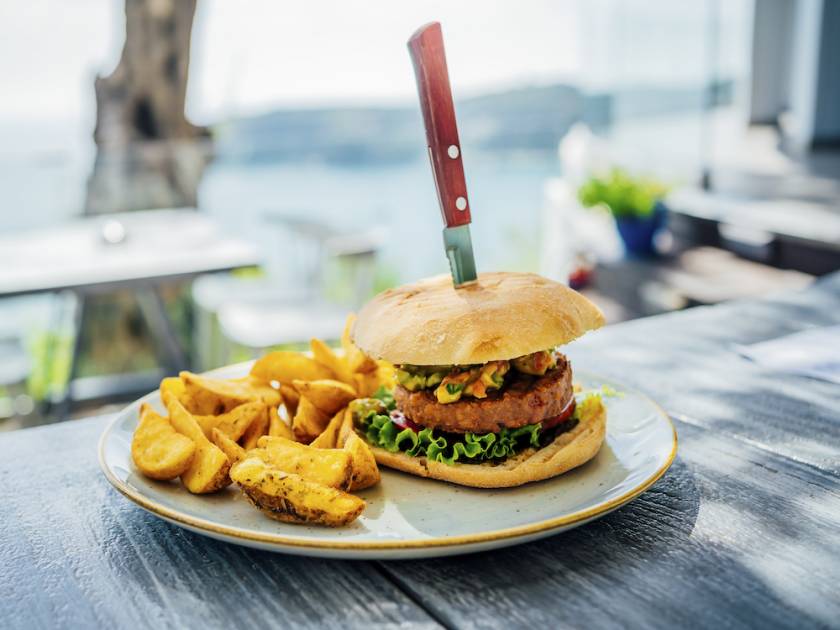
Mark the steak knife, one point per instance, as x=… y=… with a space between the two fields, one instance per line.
x=429 y=59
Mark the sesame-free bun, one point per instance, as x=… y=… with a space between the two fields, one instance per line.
x=568 y=450
x=502 y=316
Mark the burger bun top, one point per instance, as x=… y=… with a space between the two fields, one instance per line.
x=501 y=316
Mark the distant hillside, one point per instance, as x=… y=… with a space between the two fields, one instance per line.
x=531 y=119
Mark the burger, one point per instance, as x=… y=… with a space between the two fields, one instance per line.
x=483 y=397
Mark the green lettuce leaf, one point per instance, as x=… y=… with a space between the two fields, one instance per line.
x=381 y=431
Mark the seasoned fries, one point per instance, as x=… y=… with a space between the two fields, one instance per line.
x=228 y=446
x=282 y=433
x=158 y=450
x=172 y=385
x=325 y=356
x=258 y=428
x=327 y=395
x=365 y=471
x=330 y=467
x=261 y=390
x=235 y=422
x=210 y=396
x=206 y=396
x=284 y=367
x=328 y=436
x=345 y=430
x=356 y=360
x=290 y=498
x=290 y=398
x=276 y=426
x=208 y=469
x=308 y=422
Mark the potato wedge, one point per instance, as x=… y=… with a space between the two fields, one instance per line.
x=365 y=471
x=368 y=382
x=329 y=467
x=356 y=360
x=284 y=366
x=309 y=421
x=260 y=390
x=234 y=423
x=276 y=426
x=210 y=396
x=291 y=398
x=158 y=450
x=292 y=499
x=208 y=470
x=173 y=385
x=345 y=430
x=386 y=374
x=337 y=365
x=359 y=384
x=327 y=395
x=257 y=429
x=329 y=435
x=228 y=446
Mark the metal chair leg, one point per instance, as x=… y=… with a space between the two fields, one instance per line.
x=64 y=405
x=169 y=349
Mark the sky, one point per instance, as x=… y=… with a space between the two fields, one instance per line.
x=250 y=56
x=322 y=51
x=282 y=53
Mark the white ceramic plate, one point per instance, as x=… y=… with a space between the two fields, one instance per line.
x=410 y=517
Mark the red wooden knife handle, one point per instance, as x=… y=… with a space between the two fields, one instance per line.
x=429 y=59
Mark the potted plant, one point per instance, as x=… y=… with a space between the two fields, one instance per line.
x=634 y=202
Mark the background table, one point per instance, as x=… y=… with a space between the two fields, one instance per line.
x=743 y=531
x=138 y=251
x=147 y=247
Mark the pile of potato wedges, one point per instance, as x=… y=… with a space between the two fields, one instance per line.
x=283 y=433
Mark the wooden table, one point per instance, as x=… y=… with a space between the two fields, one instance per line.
x=743 y=531
x=103 y=253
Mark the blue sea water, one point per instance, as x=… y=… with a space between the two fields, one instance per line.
x=505 y=195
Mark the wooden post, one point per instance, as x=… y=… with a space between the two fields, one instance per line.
x=148 y=154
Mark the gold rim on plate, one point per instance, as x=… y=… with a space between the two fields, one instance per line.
x=466 y=539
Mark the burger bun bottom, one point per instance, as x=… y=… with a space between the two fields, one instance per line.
x=568 y=450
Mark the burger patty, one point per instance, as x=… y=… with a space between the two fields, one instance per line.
x=523 y=400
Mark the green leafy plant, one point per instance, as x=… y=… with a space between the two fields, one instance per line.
x=51 y=354
x=622 y=194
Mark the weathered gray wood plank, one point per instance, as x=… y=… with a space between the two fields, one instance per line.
x=76 y=554
x=685 y=361
x=744 y=531
x=733 y=536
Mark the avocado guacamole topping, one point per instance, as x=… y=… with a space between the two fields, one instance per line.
x=451 y=382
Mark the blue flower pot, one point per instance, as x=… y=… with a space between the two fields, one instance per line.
x=637 y=233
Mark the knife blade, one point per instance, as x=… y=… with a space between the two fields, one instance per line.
x=429 y=59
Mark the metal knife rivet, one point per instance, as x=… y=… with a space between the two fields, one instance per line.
x=453 y=151
x=461 y=203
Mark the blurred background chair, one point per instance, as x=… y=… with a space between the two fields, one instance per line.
x=323 y=274
x=137 y=254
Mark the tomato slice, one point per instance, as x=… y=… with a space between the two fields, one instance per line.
x=564 y=415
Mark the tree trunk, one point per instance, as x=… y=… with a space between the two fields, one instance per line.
x=148 y=154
